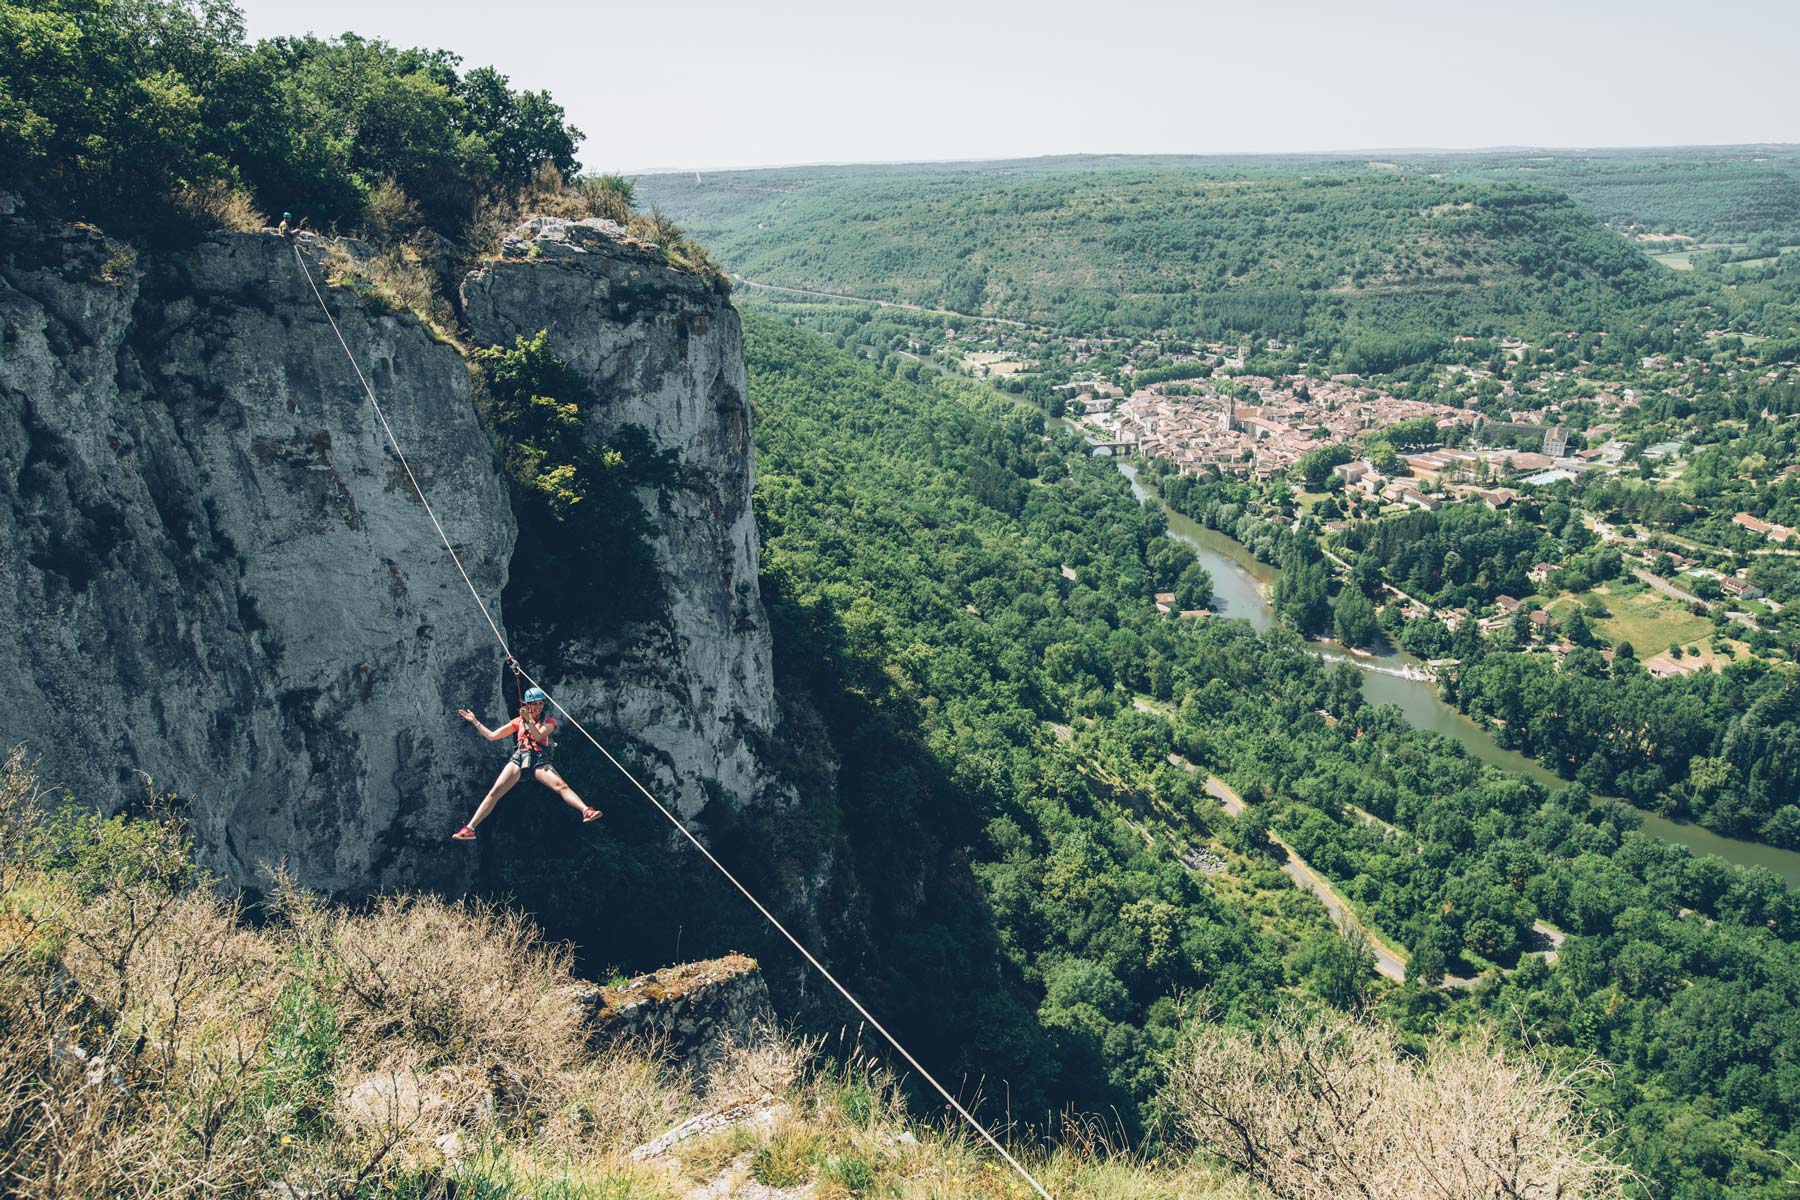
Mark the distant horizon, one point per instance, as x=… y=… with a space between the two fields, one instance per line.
x=1354 y=151
x=743 y=85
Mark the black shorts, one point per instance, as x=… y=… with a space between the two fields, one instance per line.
x=529 y=760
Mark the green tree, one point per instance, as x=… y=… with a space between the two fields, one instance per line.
x=1354 y=618
x=1315 y=465
x=1194 y=587
x=1339 y=966
x=1301 y=590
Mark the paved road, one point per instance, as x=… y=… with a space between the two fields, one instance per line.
x=1666 y=588
x=1387 y=962
x=1230 y=800
x=1552 y=935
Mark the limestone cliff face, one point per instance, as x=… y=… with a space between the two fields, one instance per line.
x=661 y=350
x=216 y=574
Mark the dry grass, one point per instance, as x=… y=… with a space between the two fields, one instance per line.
x=394 y=277
x=843 y=1131
x=135 y=1010
x=217 y=205
x=608 y=197
x=158 y=1045
x=391 y=217
x=494 y=993
x=408 y=269
x=547 y=195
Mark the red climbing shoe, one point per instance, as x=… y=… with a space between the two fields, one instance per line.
x=465 y=834
x=589 y=814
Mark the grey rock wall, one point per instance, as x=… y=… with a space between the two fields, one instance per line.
x=659 y=349
x=216 y=574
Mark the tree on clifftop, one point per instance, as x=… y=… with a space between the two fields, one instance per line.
x=148 y=115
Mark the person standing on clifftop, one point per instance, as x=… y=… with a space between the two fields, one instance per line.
x=536 y=735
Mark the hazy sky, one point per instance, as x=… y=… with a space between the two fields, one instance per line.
x=718 y=84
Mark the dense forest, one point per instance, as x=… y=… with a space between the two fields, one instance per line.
x=1333 y=262
x=1708 y=193
x=916 y=535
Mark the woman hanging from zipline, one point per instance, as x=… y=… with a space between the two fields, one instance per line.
x=535 y=752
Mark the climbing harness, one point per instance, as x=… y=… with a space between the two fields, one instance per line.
x=519 y=673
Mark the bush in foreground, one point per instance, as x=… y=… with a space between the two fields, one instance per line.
x=1318 y=1107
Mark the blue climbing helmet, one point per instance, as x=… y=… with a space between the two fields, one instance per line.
x=535 y=696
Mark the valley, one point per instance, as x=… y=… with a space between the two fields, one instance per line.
x=1231 y=677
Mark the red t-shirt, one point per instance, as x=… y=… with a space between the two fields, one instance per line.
x=526 y=741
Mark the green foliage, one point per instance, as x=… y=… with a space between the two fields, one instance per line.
x=912 y=553
x=1459 y=554
x=1353 y=618
x=1411 y=434
x=1378 y=270
x=1248 y=833
x=1719 y=748
x=1338 y=966
x=787 y=1161
x=1713 y=193
x=1174 y=371
x=1385 y=353
x=98 y=853
x=582 y=530
x=1193 y=588
x=1315 y=465
x=1301 y=592
x=849 y=1172
x=545 y=447
x=880 y=537
x=111 y=110
x=300 y=1054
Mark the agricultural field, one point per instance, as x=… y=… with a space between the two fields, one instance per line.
x=1647 y=619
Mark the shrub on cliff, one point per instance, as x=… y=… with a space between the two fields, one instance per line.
x=158 y=1044
x=582 y=529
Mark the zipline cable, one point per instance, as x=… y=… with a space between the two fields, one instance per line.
x=648 y=795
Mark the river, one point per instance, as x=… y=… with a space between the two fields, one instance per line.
x=1240 y=590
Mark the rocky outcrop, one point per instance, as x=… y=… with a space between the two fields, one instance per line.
x=218 y=577
x=695 y=1008
x=658 y=349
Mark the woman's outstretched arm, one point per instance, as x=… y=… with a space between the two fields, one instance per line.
x=492 y=735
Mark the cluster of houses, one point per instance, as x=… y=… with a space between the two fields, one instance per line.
x=1216 y=431
x=1775 y=533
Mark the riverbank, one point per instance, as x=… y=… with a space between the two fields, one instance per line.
x=1391 y=676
